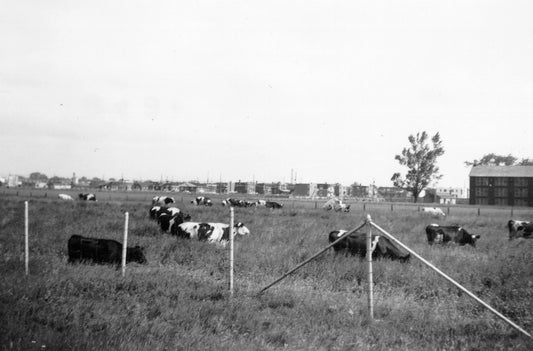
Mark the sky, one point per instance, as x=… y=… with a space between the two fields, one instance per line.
x=250 y=90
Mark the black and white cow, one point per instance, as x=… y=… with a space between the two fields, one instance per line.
x=87 y=197
x=520 y=229
x=439 y=234
x=202 y=200
x=273 y=205
x=101 y=251
x=219 y=232
x=260 y=203
x=233 y=202
x=162 y=200
x=189 y=230
x=171 y=217
x=355 y=244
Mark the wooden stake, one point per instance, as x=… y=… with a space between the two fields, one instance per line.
x=125 y=244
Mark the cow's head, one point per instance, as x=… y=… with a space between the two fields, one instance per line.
x=136 y=254
x=241 y=229
x=467 y=238
x=204 y=231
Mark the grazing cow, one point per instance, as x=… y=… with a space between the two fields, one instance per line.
x=87 y=197
x=260 y=203
x=342 y=207
x=65 y=197
x=444 y=234
x=162 y=200
x=202 y=200
x=101 y=251
x=355 y=243
x=273 y=205
x=154 y=212
x=233 y=202
x=219 y=232
x=435 y=211
x=520 y=229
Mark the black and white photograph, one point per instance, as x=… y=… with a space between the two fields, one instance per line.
x=275 y=175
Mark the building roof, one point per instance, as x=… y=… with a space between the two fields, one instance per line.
x=502 y=171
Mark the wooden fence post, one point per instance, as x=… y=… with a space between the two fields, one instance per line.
x=478 y=211
x=370 y=277
x=26 y=239
x=125 y=244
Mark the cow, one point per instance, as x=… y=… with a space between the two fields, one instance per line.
x=65 y=197
x=170 y=218
x=87 y=197
x=438 y=234
x=520 y=229
x=154 y=212
x=233 y=202
x=188 y=230
x=219 y=232
x=273 y=205
x=260 y=203
x=355 y=243
x=435 y=211
x=202 y=200
x=162 y=200
x=337 y=205
x=101 y=251
x=342 y=207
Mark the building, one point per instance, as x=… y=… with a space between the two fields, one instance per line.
x=304 y=189
x=458 y=193
x=501 y=185
x=245 y=187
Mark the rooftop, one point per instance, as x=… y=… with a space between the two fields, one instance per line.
x=502 y=171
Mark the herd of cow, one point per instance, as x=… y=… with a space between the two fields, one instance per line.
x=174 y=221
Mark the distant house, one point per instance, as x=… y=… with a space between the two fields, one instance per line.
x=245 y=187
x=118 y=186
x=185 y=187
x=501 y=185
x=304 y=189
x=146 y=186
x=263 y=188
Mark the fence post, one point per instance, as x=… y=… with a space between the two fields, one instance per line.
x=370 y=278
x=231 y=221
x=391 y=208
x=125 y=244
x=448 y=210
x=26 y=239
x=478 y=211
x=512 y=210
x=316 y=205
x=364 y=206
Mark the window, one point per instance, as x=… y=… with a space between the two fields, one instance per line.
x=481 y=181
x=482 y=192
x=482 y=201
x=520 y=202
x=501 y=181
x=500 y=201
x=520 y=182
x=520 y=192
x=500 y=192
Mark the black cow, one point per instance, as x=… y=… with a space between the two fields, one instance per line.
x=355 y=243
x=273 y=204
x=102 y=251
x=444 y=234
x=520 y=229
x=87 y=197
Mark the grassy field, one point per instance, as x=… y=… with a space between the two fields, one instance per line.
x=180 y=300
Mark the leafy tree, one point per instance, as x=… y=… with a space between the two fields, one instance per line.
x=508 y=160
x=421 y=160
x=38 y=177
x=526 y=162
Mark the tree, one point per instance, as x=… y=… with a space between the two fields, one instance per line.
x=508 y=160
x=421 y=160
x=526 y=162
x=38 y=177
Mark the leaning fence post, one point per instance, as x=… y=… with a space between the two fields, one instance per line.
x=231 y=221
x=125 y=244
x=26 y=239
x=369 y=260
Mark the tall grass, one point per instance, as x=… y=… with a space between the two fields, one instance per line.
x=180 y=299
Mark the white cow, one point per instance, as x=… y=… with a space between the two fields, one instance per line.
x=65 y=197
x=435 y=211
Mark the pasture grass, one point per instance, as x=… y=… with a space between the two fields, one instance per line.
x=180 y=299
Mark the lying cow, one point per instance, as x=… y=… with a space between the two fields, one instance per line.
x=101 y=251
x=87 y=197
x=435 y=211
x=172 y=216
x=202 y=200
x=355 y=243
x=189 y=230
x=65 y=197
x=162 y=200
x=260 y=203
x=219 y=232
x=438 y=234
x=520 y=229
x=273 y=205
x=233 y=202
